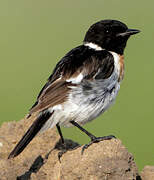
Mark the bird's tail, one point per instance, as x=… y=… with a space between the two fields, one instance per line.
x=31 y=133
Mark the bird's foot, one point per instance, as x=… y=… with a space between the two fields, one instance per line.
x=96 y=140
x=66 y=146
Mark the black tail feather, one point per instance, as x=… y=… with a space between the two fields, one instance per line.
x=31 y=133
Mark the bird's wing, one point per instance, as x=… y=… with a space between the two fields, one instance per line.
x=81 y=63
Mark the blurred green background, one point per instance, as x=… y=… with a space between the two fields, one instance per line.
x=35 y=34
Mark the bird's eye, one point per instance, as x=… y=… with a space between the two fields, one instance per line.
x=107 y=31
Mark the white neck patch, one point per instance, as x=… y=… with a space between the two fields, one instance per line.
x=116 y=62
x=93 y=46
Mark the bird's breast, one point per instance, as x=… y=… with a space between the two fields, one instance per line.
x=118 y=66
x=122 y=67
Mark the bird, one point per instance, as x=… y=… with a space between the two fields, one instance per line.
x=83 y=85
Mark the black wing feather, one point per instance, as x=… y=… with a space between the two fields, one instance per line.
x=76 y=59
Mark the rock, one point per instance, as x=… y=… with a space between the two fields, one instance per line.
x=106 y=160
x=148 y=173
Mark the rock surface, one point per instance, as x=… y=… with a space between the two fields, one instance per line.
x=148 y=173
x=106 y=160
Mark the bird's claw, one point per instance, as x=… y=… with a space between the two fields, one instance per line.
x=96 y=140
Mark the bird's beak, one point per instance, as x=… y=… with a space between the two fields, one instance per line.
x=129 y=32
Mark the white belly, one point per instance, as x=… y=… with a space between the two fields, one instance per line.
x=84 y=108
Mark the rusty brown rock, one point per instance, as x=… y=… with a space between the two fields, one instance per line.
x=148 y=173
x=106 y=160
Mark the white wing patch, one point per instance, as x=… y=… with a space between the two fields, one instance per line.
x=76 y=80
x=57 y=107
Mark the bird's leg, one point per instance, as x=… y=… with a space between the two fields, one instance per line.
x=93 y=138
x=60 y=133
x=64 y=145
x=61 y=144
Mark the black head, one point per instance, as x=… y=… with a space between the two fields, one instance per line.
x=111 y=35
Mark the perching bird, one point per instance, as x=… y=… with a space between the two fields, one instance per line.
x=84 y=83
